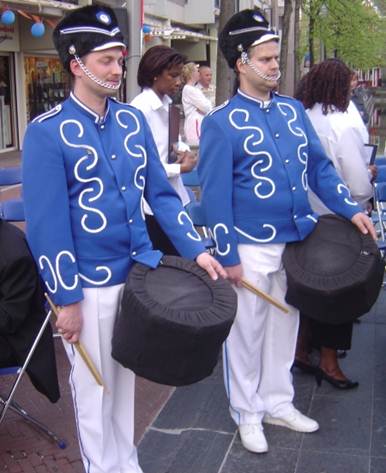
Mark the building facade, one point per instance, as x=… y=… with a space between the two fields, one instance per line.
x=32 y=80
x=31 y=77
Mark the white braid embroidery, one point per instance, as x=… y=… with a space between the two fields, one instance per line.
x=253 y=140
x=96 y=184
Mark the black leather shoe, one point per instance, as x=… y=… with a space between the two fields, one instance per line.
x=337 y=383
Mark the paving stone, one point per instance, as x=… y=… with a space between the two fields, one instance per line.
x=202 y=405
x=378 y=312
x=345 y=425
x=378 y=465
x=277 y=460
x=327 y=462
x=378 y=447
x=380 y=362
x=195 y=451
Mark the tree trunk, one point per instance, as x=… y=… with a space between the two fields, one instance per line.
x=225 y=76
x=297 y=41
x=284 y=46
x=311 y=32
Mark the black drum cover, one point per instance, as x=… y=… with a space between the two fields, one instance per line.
x=173 y=321
x=335 y=274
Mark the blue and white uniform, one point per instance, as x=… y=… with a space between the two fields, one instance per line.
x=257 y=161
x=84 y=182
x=89 y=176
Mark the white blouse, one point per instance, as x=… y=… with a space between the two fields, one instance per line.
x=156 y=112
x=196 y=106
x=343 y=141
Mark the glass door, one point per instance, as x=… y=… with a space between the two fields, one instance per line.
x=7 y=103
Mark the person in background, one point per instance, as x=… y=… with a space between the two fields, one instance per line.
x=258 y=155
x=325 y=93
x=22 y=312
x=159 y=76
x=205 y=84
x=195 y=104
x=357 y=93
x=359 y=118
x=96 y=160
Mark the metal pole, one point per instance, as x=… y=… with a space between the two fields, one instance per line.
x=274 y=19
x=134 y=13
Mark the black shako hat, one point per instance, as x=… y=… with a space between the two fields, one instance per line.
x=87 y=29
x=244 y=29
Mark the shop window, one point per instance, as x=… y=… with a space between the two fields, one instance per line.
x=7 y=113
x=47 y=84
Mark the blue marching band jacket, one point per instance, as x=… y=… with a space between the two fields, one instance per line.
x=84 y=181
x=256 y=163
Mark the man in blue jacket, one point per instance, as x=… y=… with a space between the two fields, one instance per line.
x=88 y=164
x=258 y=155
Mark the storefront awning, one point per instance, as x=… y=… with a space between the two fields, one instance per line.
x=171 y=32
x=43 y=6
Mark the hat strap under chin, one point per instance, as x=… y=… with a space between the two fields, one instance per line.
x=245 y=60
x=93 y=77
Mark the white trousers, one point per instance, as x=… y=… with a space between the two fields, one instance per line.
x=260 y=349
x=104 y=417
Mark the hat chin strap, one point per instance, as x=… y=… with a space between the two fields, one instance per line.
x=93 y=77
x=245 y=60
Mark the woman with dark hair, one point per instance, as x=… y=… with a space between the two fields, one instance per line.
x=325 y=93
x=159 y=76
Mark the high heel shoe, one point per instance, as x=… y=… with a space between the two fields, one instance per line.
x=337 y=383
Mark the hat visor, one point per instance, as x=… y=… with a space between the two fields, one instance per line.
x=265 y=38
x=111 y=44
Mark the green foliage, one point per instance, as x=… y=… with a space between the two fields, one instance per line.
x=349 y=30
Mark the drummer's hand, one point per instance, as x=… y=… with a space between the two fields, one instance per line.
x=364 y=224
x=69 y=323
x=211 y=266
x=187 y=161
x=235 y=274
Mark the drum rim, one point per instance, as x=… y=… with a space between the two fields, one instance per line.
x=298 y=275
x=219 y=296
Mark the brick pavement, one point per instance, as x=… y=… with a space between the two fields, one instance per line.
x=24 y=450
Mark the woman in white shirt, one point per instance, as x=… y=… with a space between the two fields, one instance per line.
x=195 y=104
x=159 y=76
x=325 y=92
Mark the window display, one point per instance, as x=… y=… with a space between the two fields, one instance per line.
x=47 y=84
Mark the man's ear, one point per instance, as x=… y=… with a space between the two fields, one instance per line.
x=75 y=68
x=239 y=66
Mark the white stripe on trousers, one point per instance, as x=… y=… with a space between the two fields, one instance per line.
x=105 y=418
x=260 y=349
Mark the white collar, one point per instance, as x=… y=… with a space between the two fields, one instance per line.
x=156 y=102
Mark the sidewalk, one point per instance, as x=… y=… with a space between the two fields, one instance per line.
x=193 y=432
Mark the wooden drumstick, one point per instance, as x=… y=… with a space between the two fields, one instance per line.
x=263 y=295
x=80 y=348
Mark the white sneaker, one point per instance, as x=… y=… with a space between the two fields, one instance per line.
x=294 y=420
x=253 y=438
